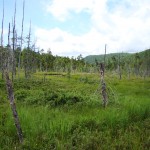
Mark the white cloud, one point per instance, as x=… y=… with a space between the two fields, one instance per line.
x=61 y=8
x=124 y=27
x=5 y=33
x=63 y=43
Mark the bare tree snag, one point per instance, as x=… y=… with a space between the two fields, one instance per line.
x=119 y=68
x=1 y=50
x=9 y=58
x=29 y=36
x=27 y=65
x=103 y=84
x=105 y=54
x=9 y=36
x=19 y=63
x=13 y=42
x=2 y=26
x=13 y=106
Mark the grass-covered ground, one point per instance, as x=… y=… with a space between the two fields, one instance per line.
x=61 y=112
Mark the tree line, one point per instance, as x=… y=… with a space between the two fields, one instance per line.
x=127 y=64
x=22 y=55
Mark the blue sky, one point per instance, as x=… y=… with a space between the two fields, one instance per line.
x=73 y=27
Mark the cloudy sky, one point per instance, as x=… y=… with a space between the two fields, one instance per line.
x=73 y=27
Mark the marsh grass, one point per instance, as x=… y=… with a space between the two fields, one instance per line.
x=67 y=114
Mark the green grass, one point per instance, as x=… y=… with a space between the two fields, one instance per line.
x=62 y=113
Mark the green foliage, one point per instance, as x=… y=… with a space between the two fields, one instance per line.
x=53 y=99
x=2 y=84
x=67 y=114
x=124 y=63
x=20 y=95
x=100 y=58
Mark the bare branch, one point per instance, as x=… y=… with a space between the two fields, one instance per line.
x=2 y=26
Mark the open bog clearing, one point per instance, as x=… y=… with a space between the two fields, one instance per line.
x=57 y=112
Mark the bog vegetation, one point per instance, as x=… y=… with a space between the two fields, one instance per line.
x=54 y=102
x=67 y=113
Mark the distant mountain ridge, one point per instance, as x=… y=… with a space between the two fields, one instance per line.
x=100 y=58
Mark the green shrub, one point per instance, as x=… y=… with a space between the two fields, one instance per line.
x=21 y=94
x=36 y=97
x=59 y=99
x=2 y=84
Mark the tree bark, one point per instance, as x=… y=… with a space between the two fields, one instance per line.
x=13 y=106
x=14 y=42
x=103 y=85
x=19 y=63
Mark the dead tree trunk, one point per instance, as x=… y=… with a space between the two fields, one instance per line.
x=103 y=84
x=119 y=68
x=2 y=26
x=10 y=92
x=13 y=40
x=28 y=65
x=21 y=38
x=105 y=54
x=8 y=59
x=1 y=50
x=13 y=106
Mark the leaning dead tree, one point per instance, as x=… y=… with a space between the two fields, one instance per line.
x=10 y=91
x=8 y=59
x=103 y=84
x=13 y=106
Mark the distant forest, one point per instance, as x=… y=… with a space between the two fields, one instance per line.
x=21 y=55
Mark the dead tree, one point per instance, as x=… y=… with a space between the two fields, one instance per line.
x=1 y=48
x=13 y=106
x=21 y=38
x=29 y=36
x=9 y=36
x=7 y=54
x=27 y=66
x=34 y=59
x=13 y=44
x=2 y=26
x=119 y=68
x=10 y=92
x=105 y=54
x=103 y=84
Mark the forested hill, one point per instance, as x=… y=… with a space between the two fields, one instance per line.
x=100 y=58
x=144 y=54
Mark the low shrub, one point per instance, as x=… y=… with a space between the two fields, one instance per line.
x=54 y=99
x=21 y=95
x=2 y=84
x=59 y=99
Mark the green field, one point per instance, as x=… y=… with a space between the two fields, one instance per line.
x=61 y=112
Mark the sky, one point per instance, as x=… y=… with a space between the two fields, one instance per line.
x=74 y=27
